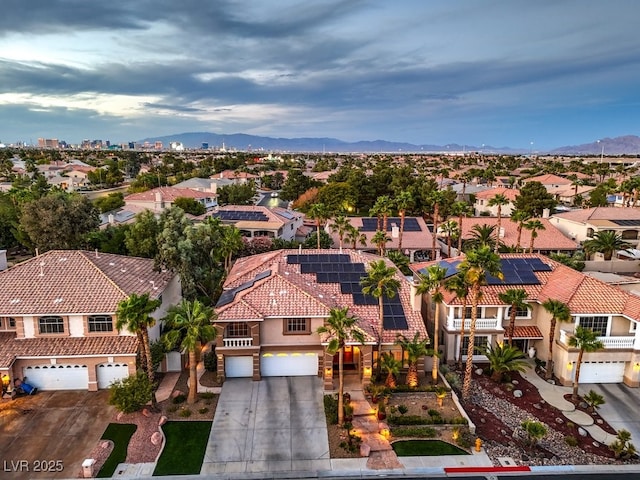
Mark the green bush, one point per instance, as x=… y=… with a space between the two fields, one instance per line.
x=403 y=409
x=130 y=394
x=453 y=380
x=420 y=420
x=203 y=410
x=179 y=399
x=331 y=409
x=210 y=360
x=433 y=413
x=158 y=352
x=185 y=413
x=172 y=408
x=571 y=441
x=206 y=395
x=419 y=432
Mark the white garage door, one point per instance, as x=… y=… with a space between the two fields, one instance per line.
x=602 y=372
x=288 y=364
x=58 y=377
x=238 y=366
x=107 y=373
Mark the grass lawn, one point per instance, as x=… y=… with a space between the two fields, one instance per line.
x=184 y=451
x=119 y=434
x=425 y=448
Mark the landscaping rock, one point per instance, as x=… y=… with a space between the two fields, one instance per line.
x=162 y=421
x=119 y=416
x=551 y=381
x=583 y=405
x=582 y=432
x=596 y=444
x=559 y=421
x=515 y=382
x=146 y=412
x=537 y=406
x=365 y=450
x=156 y=438
x=600 y=421
x=104 y=444
x=517 y=393
x=479 y=371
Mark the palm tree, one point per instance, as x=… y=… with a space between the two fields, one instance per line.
x=190 y=326
x=354 y=236
x=383 y=208
x=450 y=229
x=476 y=266
x=391 y=366
x=482 y=235
x=435 y=199
x=415 y=349
x=432 y=283
x=504 y=359
x=380 y=239
x=498 y=200
x=520 y=217
x=559 y=313
x=516 y=298
x=340 y=226
x=461 y=209
x=585 y=340
x=458 y=285
x=340 y=328
x=404 y=201
x=134 y=314
x=534 y=225
x=230 y=244
x=318 y=212
x=380 y=282
x=607 y=242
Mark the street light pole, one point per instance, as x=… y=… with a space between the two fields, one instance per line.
x=601 y=152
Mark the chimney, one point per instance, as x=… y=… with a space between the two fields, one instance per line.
x=501 y=232
x=3 y=260
x=158 y=197
x=111 y=219
x=545 y=213
x=395 y=231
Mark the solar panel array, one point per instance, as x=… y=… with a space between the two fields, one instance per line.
x=228 y=295
x=337 y=268
x=516 y=271
x=627 y=223
x=234 y=215
x=370 y=224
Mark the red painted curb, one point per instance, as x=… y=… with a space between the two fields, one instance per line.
x=486 y=469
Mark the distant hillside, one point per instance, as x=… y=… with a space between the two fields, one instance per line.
x=241 y=141
x=628 y=144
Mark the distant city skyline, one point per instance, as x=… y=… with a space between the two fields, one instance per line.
x=500 y=73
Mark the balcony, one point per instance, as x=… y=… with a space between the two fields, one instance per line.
x=238 y=342
x=481 y=324
x=610 y=343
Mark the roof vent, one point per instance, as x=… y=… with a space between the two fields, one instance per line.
x=58 y=300
x=13 y=301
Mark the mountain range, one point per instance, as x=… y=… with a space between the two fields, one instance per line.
x=628 y=144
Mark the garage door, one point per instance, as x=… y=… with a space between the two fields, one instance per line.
x=58 y=377
x=107 y=373
x=238 y=366
x=602 y=372
x=288 y=364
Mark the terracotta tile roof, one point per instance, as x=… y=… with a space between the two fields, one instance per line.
x=582 y=293
x=549 y=179
x=524 y=331
x=169 y=194
x=12 y=348
x=601 y=213
x=551 y=238
x=274 y=215
x=75 y=281
x=410 y=240
x=510 y=193
x=286 y=292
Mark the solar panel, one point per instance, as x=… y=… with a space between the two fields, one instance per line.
x=286 y=214
x=627 y=223
x=228 y=295
x=370 y=224
x=262 y=275
x=234 y=215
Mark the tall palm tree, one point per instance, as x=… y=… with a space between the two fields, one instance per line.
x=230 y=244
x=319 y=213
x=432 y=283
x=458 y=285
x=520 y=217
x=460 y=209
x=559 y=313
x=450 y=229
x=380 y=282
x=340 y=226
x=380 y=239
x=189 y=325
x=340 y=328
x=436 y=199
x=354 y=236
x=404 y=201
x=516 y=298
x=134 y=314
x=606 y=242
x=498 y=200
x=391 y=366
x=383 y=208
x=482 y=235
x=586 y=340
x=415 y=348
x=476 y=266
x=534 y=225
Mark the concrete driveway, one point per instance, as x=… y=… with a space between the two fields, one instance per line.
x=621 y=407
x=274 y=425
x=38 y=431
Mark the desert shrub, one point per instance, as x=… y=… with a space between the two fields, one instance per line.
x=418 y=432
x=185 y=413
x=206 y=395
x=172 y=408
x=571 y=425
x=458 y=421
x=433 y=413
x=331 y=409
x=179 y=399
x=465 y=439
x=534 y=430
x=130 y=394
x=203 y=410
x=403 y=409
x=210 y=361
x=444 y=368
x=453 y=379
x=571 y=441
x=158 y=352
x=622 y=446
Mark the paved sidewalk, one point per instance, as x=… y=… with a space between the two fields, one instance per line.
x=554 y=395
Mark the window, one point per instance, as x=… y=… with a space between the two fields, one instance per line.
x=238 y=330
x=12 y=322
x=100 y=323
x=467 y=313
x=590 y=232
x=597 y=324
x=520 y=312
x=296 y=325
x=478 y=342
x=51 y=324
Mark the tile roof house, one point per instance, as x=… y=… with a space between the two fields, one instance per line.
x=582 y=224
x=57 y=317
x=606 y=309
x=157 y=199
x=481 y=204
x=257 y=221
x=549 y=180
x=273 y=303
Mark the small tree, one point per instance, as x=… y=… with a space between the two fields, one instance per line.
x=131 y=394
x=391 y=366
x=585 y=340
x=534 y=430
x=415 y=349
x=622 y=446
x=503 y=359
x=594 y=400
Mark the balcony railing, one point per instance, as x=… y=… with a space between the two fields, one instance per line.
x=609 y=342
x=238 y=342
x=481 y=324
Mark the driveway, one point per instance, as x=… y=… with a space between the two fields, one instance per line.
x=621 y=407
x=38 y=431
x=274 y=425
